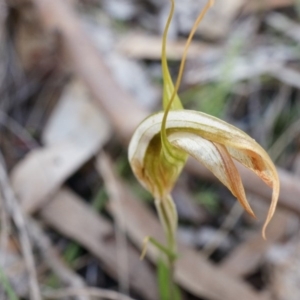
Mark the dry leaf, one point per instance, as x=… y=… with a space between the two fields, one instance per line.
x=76 y=131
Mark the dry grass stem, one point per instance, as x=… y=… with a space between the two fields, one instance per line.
x=53 y=261
x=105 y=166
x=230 y=221
x=13 y=208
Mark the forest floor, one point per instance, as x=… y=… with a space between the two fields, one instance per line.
x=76 y=78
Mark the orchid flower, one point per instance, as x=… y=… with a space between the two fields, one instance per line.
x=162 y=143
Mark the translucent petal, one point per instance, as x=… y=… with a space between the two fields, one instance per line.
x=216 y=158
x=240 y=146
x=260 y=164
x=151 y=167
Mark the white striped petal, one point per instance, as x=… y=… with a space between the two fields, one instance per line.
x=228 y=140
x=216 y=158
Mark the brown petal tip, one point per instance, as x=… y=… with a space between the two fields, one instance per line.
x=249 y=211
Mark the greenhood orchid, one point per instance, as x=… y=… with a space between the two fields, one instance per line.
x=162 y=143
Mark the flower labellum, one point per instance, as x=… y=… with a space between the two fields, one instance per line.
x=162 y=143
x=211 y=141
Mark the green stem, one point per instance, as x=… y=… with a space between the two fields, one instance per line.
x=168 y=217
x=170 y=254
x=171 y=278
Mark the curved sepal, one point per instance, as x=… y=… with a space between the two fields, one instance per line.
x=216 y=158
x=147 y=161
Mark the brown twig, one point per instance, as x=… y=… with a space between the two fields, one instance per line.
x=13 y=208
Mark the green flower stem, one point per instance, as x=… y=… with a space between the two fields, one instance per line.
x=168 y=217
x=171 y=255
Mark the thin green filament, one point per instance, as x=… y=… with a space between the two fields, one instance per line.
x=165 y=143
x=164 y=40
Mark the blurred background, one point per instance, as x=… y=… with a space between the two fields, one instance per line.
x=76 y=78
